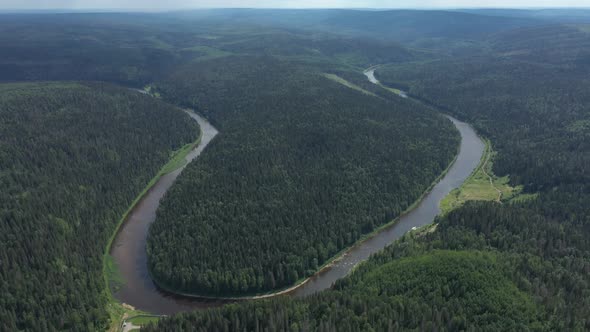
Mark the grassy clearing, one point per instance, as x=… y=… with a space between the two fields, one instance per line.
x=178 y=158
x=394 y=90
x=143 y=320
x=113 y=274
x=348 y=84
x=126 y=313
x=482 y=185
x=118 y=312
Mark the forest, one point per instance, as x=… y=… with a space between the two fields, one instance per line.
x=56 y=282
x=525 y=91
x=483 y=267
x=304 y=168
x=72 y=157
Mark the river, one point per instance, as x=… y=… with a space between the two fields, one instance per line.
x=370 y=73
x=471 y=151
x=129 y=246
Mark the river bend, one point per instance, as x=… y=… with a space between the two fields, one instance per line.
x=129 y=246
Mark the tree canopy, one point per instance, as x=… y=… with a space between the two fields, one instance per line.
x=303 y=168
x=73 y=156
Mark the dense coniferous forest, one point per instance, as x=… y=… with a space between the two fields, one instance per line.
x=545 y=143
x=484 y=267
x=528 y=96
x=136 y=50
x=304 y=167
x=72 y=157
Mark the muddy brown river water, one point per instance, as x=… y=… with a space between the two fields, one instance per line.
x=129 y=252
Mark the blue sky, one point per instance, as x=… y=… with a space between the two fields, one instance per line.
x=176 y=4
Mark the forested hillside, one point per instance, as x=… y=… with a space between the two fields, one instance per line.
x=520 y=265
x=534 y=107
x=116 y=48
x=303 y=168
x=545 y=143
x=72 y=158
x=484 y=267
x=399 y=25
x=550 y=44
x=163 y=51
x=138 y=49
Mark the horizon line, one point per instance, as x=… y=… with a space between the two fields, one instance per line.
x=164 y=10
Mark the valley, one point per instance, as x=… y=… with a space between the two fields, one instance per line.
x=295 y=170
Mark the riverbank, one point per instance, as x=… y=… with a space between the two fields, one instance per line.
x=135 y=288
x=111 y=272
x=329 y=263
x=370 y=73
x=324 y=266
x=482 y=185
x=141 y=290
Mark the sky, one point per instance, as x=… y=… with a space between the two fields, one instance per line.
x=181 y=4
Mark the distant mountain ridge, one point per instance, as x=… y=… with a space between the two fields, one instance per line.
x=398 y=25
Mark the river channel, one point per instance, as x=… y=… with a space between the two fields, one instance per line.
x=129 y=251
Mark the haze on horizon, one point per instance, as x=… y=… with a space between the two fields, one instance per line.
x=186 y=4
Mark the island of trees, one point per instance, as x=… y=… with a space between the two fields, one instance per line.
x=304 y=167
